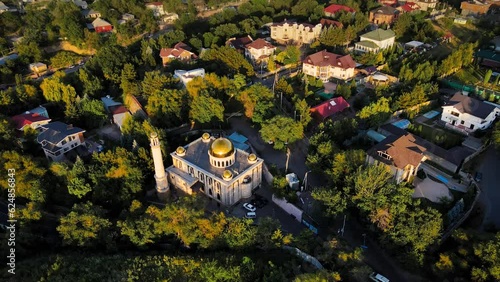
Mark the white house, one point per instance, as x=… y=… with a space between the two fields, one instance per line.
x=466 y=114
x=117 y=111
x=259 y=50
x=186 y=76
x=58 y=138
x=375 y=40
x=157 y=8
x=292 y=32
x=325 y=65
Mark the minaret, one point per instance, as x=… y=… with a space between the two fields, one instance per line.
x=160 y=176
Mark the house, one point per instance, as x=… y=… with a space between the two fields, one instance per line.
x=375 y=40
x=91 y=14
x=259 y=50
x=170 y=18
x=400 y=153
x=328 y=23
x=186 y=76
x=460 y=21
x=38 y=68
x=292 y=32
x=135 y=106
x=333 y=9
x=29 y=119
x=58 y=138
x=157 y=8
x=388 y=2
x=126 y=18
x=329 y=108
x=82 y=4
x=100 y=26
x=3 y=8
x=426 y=5
x=41 y=110
x=383 y=15
x=180 y=52
x=239 y=43
x=408 y=7
x=475 y=8
x=325 y=65
x=466 y=114
x=116 y=110
x=4 y=59
x=377 y=79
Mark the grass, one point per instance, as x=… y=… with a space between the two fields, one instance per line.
x=437 y=136
x=467 y=75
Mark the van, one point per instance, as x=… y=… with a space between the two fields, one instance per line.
x=251 y=215
x=378 y=277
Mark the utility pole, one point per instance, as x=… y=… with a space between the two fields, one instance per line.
x=287 y=158
x=343 y=227
x=305 y=180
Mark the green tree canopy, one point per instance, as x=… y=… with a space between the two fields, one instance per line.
x=281 y=130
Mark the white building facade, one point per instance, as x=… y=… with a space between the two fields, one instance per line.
x=215 y=168
x=292 y=32
x=325 y=65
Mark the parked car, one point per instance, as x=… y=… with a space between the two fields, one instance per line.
x=250 y=215
x=72 y=66
x=249 y=207
x=378 y=277
x=478 y=177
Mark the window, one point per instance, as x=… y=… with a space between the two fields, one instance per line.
x=462 y=122
x=471 y=126
x=63 y=142
x=455 y=114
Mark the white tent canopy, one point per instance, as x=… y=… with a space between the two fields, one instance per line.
x=413 y=44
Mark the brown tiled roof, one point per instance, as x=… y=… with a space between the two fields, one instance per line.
x=385 y=10
x=118 y=109
x=328 y=22
x=176 y=51
x=239 y=43
x=471 y=106
x=403 y=150
x=325 y=58
x=259 y=44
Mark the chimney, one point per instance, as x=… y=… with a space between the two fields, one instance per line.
x=70 y=126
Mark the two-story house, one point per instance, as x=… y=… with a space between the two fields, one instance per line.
x=466 y=114
x=475 y=8
x=100 y=26
x=157 y=8
x=375 y=40
x=180 y=52
x=383 y=15
x=293 y=32
x=426 y=5
x=259 y=50
x=29 y=119
x=239 y=43
x=325 y=65
x=400 y=153
x=58 y=138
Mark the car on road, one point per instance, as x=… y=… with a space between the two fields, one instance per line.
x=478 y=177
x=250 y=215
x=378 y=277
x=249 y=207
x=72 y=66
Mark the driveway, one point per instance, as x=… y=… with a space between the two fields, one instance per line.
x=490 y=196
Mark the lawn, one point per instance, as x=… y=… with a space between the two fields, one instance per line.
x=440 y=137
x=467 y=75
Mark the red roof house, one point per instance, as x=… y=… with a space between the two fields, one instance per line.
x=329 y=108
x=331 y=10
x=408 y=7
x=180 y=52
x=328 y=22
x=101 y=25
x=33 y=120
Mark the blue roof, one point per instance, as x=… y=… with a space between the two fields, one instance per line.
x=41 y=110
x=4 y=59
x=403 y=123
x=109 y=102
x=431 y=114
x=374 y=135
x=241 y=146
x=238 y=138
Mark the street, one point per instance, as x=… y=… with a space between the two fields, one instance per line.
x=490 y=196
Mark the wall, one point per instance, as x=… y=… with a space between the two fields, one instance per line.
x=289 y=208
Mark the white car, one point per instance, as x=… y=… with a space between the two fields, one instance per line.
x=72 y=66
x=250 y=215
x=378 y=277
x=249 y=207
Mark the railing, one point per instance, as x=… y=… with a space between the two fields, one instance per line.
x=464 y=130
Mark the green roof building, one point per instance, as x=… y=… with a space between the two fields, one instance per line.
x=375 y=40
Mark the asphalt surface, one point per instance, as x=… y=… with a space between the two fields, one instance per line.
x=490 y=196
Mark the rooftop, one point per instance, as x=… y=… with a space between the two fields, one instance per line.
x=239 y=43
x=178 y=49
x=334 y=8
x=465 y=104
x=197 y=155
x=379 y=34
x=325 y=58
x=368 y=44
x=330 y=107
x=55 y=132
x=259 y=44
x=384 y=10
x=100 y=22
x=27 y=118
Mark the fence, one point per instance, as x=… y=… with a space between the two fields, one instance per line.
x=306 y=257
x=289 y=208
x=454 y=226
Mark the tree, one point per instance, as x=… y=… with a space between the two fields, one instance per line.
x=496 y=135
x=257 y=101
x=92 y=113
x=402 y=25
x=77 y=184
x=271 y=65
x=303 y=112
x=291 y=55
x=64 y=59
x=239 y=233
x=343 y=90
x=487 y=76
x=92 y=85
x=29 y=50
x=147 y=50
x=110 y=61
x=165 y=106
x=376 y=113
x=28 y=176
x=281 y=130
x=410 y=99
x=84 y=225
x=128 y=83
x=333 y=200
x=139 y=225
x=232 y=61
x=205 y=109
x=154 y=81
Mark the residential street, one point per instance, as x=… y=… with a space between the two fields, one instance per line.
x=490 y=196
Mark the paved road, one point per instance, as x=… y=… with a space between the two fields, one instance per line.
x=490 y=196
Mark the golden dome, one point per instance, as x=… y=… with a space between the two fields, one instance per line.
x=180 y=151
x=205 y=136
x=227 y=175
x=252 y=158
x=221 y=148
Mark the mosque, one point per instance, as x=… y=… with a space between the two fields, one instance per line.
x=209 y=165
